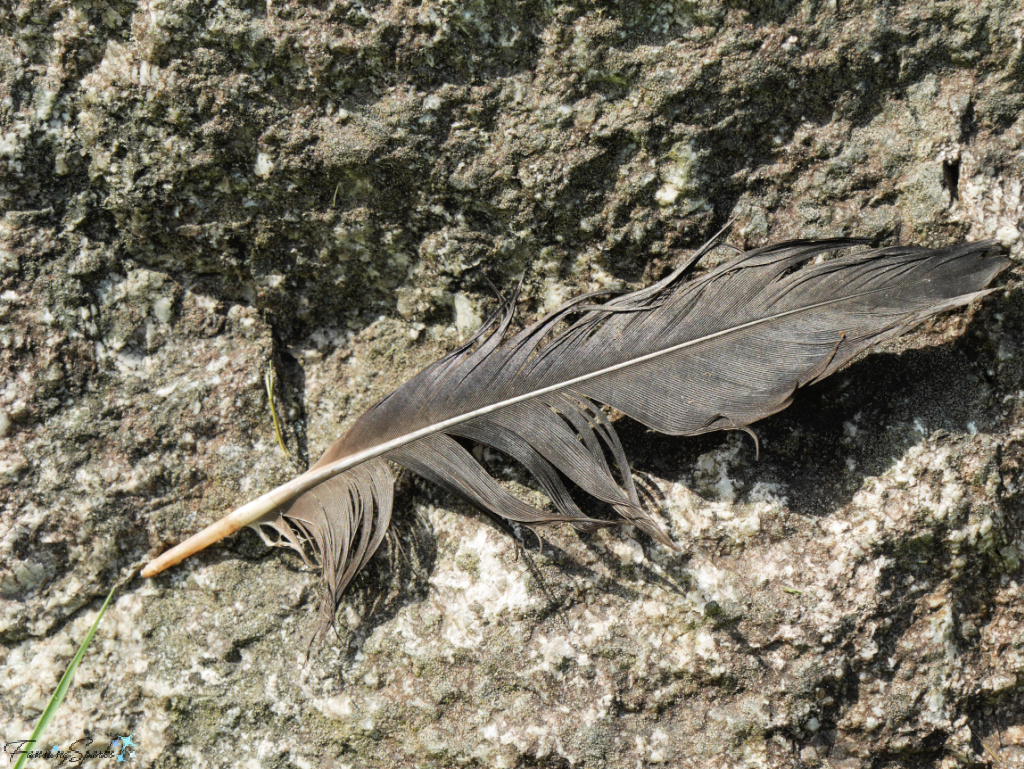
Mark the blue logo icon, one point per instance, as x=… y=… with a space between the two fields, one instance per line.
x=123 y=752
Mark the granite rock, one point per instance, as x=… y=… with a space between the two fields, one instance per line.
x=193 y=194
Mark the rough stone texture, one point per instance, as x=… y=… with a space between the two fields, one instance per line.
x=192 y=192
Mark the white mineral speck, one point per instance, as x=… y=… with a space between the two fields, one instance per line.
x=1007 y=235
x=467 y=319
x=162 y=309
x=554 y=296
x=264 y=166
x=667 y=195
x=10 y=145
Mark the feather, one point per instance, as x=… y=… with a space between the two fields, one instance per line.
x=684 y=356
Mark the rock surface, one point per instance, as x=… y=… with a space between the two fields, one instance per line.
x=193 y=193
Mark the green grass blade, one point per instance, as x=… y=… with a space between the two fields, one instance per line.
x=270 y=379
x=62 y=687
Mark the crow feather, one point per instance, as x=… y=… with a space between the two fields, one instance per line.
x=687 y=355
